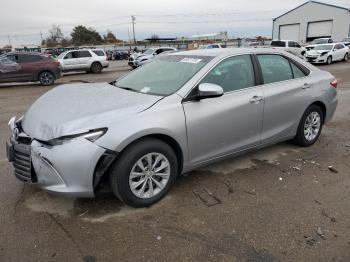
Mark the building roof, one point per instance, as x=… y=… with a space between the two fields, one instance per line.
x=315 y=2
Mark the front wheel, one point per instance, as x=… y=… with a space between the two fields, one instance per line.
x=329 y=60
x=47 y=78
x=310 y=127
x=346 y=57
x=144 y=173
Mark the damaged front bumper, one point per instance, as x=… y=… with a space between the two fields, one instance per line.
x=68 y=169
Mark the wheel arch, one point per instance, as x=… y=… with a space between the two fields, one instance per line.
x=101 y=171
x=321 y=105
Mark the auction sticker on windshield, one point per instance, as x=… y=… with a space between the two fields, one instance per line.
x=191 y=60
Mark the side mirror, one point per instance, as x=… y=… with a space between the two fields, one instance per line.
x=208 y=90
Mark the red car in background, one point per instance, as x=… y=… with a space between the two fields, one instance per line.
x=29 y=67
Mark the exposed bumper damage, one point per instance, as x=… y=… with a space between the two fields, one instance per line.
x=73 y=168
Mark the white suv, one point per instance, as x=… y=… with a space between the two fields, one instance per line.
x=89 y=60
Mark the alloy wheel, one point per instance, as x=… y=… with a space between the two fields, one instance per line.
x=46 y=78
x=149 y=175
x=312 y=126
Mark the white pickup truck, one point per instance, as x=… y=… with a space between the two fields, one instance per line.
x=289 y=46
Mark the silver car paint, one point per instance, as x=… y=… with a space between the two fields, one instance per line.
x=206 y=131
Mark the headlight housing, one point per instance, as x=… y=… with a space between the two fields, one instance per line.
x=91 y=135
x=324 y=53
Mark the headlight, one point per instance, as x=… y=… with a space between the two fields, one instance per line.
x=92 y=136
x=324 y=53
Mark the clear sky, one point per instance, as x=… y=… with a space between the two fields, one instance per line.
x=21 y=21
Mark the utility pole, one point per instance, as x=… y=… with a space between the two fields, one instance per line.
x=41 y=37
x=133 y=27
x=9 y=38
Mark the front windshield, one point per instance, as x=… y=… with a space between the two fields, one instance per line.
x=62 y=55
x=323 y=47
x=165 y=75
x=149 y=51
x=319 y=41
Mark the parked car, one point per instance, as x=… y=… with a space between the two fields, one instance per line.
x=289 y=46
x=318 y=41
x=89 y=60
x=139 y=59
x=211 y=46
x=328 y=53
x=346 y=41
x=183 y=111
x=121 y=55
x=29 y=67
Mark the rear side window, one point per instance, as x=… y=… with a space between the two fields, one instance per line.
x=232 y=74
x=297 y=71
x=28 y=58
x=82 y=54
x=99 y=52
x=278 y=43
x=275 y=68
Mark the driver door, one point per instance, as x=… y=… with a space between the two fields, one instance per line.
x=221 y=126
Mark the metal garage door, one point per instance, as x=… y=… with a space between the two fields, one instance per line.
x=319 y=29
x=290 y=32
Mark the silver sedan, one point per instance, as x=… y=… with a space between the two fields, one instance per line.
x=180 y=112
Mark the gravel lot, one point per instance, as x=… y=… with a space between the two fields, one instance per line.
x=278 y=204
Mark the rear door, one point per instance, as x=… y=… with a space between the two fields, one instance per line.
x=231 y=123
x=339 y=52
x=83 y=59
x=31 y=65
x=287 y=91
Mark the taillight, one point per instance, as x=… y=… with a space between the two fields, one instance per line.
x=334 y=83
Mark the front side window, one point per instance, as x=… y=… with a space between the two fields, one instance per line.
x=275 y=68
x=232 y=74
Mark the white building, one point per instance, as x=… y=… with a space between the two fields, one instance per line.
x=312 y=20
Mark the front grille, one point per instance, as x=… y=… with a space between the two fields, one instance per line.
x=311 y=58
x=22 y=162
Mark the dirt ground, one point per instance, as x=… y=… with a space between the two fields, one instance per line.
x=281 y=203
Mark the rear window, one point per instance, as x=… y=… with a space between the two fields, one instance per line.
x=278 y=43
x=99 y=52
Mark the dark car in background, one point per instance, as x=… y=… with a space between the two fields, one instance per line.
x=29 y=67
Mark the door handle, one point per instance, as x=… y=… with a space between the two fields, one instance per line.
x=306 y=85
x=256 y=99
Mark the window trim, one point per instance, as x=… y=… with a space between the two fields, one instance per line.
x=189 y=95
x=305 y=70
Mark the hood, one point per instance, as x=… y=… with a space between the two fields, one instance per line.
x=317 y=52
x=77 y=108
x=143 y=57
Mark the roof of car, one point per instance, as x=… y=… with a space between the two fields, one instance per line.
x=226 y=51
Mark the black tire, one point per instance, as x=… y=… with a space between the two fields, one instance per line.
x=47 y=78
x=346 y=57
x=300 y=138
x=329 y=60
x=96 y=68
x=121 y=170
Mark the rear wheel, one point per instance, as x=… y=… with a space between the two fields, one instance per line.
x=329 y=60
x=47 y=78
x=144 y=173
x=96 y=68
x=310 y=127
x=346 y=57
